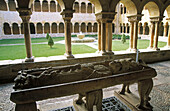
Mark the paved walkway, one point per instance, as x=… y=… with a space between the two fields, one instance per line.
x=160 y=94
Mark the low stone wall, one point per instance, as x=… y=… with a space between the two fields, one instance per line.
x=9 y=72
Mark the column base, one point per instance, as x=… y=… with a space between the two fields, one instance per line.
x=68 y=56
x=155 y=48
x=31 y=59
x=103 y=53
x=110 y=53
x=150 y=48
x=131 y=50
x=98 y=51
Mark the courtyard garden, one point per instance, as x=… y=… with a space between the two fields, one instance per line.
x=11 y=49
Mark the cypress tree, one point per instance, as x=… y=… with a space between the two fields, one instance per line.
x=50 y=41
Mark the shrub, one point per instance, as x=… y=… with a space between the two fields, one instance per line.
x=50 y=41
x=123 y=39
x=47 y=36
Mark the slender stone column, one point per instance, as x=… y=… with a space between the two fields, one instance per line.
x=99 y=36
x=156 y=36
x=109 y=37
x=135 y=36
x=152 y=35
x=20 y=30
x=11 y=29
x=131 y=36
x=168 y=44
x=165 y=30
x=25 y=16
x=103 y=37
x=67 y=16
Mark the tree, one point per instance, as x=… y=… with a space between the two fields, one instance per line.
x=123 y=38
x=47 y=36
x=50 y=41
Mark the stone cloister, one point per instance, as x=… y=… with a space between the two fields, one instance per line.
x=105 y=13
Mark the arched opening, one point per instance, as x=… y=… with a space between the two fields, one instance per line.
x=167 y=28
x=83 y=7
x=120 y=28
x=37 y=6
x=127 y=28
x=12 y=5
x=89 y=27
x=52 y=6
x=124 y=28
x=95 y=27
x=22 y=28
x=113 y=27
x=93 y=9
x=83 y=27
x=58 y=8
x=146 y=29
x=61 y=28
x=39 y=28
x=140 y=28
x=76 y=7
x=46 y=28
x=89 y=8
x=152 y=8
x=7 y=29
x=54 y=28
x=32 y=28
x=45 y=6
x=3 y=5
x=76 y=27
x=124 y=10
x=161 y=29
x=15 y=28
x=121 y=9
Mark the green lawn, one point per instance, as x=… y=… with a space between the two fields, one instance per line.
x=117 y=45
x=40 y=50
x=33 y=40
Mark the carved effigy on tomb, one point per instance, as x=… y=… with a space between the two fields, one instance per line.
x=64 y=74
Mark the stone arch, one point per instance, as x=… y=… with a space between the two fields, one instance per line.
x=7 y=29
x=58 y=8
x=152 y=8
x=113 y=27
x=52 y=6
x=76 y=7
x=161 y=29
x=39 y=28
x=95 y=27
x=89 y=8
x=54 y=28
x=32 y=28
x=61 y=27
x=130 y=6
x=89 y=27
x=15 y=28
x=76 y=27
x=83 y=27
x=37 y=6
x=12 y=5
x=3 y=5
x=83 y=7
x=45 y=6
x=46 y=28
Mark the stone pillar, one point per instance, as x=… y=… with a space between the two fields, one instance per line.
x=156 y=36
x=20 y=30
x=67 y=16
x=43 y=29
x=135 y=36
x=99 y=36
x=109 y=37
x=11 y=29
x=25 y=16
x=168 y=44
x=103 y=37
x=152 y=35
x=165 y=30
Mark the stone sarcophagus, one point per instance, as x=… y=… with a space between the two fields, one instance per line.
x=84 y=79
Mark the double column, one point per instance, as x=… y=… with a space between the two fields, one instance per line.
x=134 y=20
x=155 y=21
x=25 y=16
x=67 y=16
x=104 y=20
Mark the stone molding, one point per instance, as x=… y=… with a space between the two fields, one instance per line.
x=156 y=19
x=105 y=16
x=135 y=18
x=67 y=14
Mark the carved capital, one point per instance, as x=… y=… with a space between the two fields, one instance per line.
x=135 y=18
x=25 y=14
x=67 y=14
x=156 y=19
x=108 y=16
